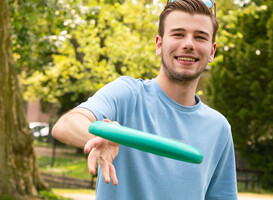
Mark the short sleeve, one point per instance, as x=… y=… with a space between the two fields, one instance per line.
x=115 y=101
x=223 y=185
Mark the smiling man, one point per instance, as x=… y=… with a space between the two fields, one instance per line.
x=165 y=106
x=188 y=44
x=186 y=47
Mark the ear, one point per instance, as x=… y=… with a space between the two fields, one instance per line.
x=212 y=53
x=158 y=42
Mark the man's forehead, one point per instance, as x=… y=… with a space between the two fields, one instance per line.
x=186 y=21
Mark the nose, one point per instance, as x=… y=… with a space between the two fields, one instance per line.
x=188 y=43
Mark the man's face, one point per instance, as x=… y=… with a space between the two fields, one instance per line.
x=186 y=47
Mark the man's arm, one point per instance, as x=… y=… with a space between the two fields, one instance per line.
x=72 y=127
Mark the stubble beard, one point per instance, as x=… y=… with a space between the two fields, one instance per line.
x=179 y=78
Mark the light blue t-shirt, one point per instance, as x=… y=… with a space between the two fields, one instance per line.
x=143 y=105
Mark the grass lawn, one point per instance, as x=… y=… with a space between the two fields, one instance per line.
x=74 y=167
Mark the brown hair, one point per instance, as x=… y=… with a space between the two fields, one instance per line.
x=189 y=6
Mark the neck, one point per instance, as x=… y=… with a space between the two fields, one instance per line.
x=181 y=92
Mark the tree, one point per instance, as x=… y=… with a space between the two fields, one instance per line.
x=98 y=43
x=241 y=83
x=18 y=165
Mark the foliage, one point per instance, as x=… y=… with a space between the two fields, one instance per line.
x=241 y=83
x=73 y=49
x=31 y=36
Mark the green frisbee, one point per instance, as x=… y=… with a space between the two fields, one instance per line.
x=146 y=142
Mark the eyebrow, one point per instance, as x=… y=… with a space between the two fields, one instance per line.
x=177 y=30
x=182 y=29
x=203 y=33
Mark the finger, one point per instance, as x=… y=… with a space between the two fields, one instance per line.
x=105 y=169
x=113 y=174
x=93 y=143
x=92 y=161
x=113 y=122
x=106 y=120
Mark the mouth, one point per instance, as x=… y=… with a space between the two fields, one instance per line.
x=186 y=58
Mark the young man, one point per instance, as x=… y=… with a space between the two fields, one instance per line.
x=165 y=106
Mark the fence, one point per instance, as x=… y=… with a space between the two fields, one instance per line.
x=248 y=179
x=59 y=181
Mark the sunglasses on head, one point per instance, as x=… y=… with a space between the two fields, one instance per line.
x=209 y=4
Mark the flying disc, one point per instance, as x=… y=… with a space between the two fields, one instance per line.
x=147 y=142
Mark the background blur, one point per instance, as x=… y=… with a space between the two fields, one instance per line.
x=65 y=50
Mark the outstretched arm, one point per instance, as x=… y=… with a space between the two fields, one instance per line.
x=72 y=129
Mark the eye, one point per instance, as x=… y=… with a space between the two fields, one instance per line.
x=178 y=35
x=200 y=37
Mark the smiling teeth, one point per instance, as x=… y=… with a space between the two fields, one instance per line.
x=186 y=59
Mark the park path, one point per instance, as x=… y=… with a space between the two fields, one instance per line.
x=250 y=196
x=61 y=152
x=79 y=196
x=242 y=196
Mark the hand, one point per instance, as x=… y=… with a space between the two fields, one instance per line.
x=103 y=151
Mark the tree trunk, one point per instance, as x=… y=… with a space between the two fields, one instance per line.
x=19 y=175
